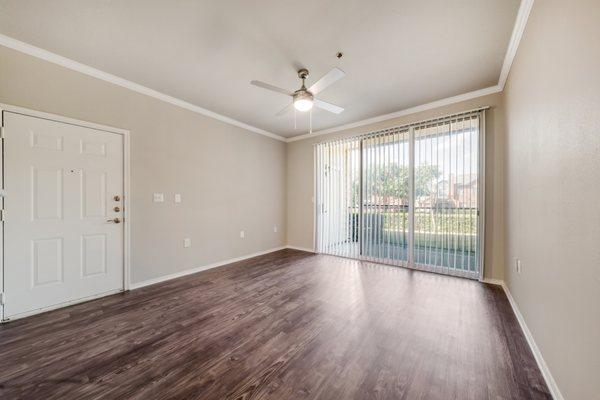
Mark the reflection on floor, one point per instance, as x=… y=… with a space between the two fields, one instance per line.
x=286 y=325
x=452 y=259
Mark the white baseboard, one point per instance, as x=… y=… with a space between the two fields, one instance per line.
x=300 y=248
x=179 y=274
x=550 y=382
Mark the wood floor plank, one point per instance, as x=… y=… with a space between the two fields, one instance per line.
x=286 y=325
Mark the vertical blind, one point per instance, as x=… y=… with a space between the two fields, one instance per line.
x=405 y=196
x=385 y=194
x=338 y=177
x=446 y=214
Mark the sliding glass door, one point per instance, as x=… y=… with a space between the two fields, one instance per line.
x=406 y=196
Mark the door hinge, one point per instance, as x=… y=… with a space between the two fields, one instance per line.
x=2 y=299
x=2 y=132
x=2 y=212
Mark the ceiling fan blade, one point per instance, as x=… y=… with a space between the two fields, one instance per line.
x=285 y=110
x=271 y=87
x=328 y=79
x=328 y=106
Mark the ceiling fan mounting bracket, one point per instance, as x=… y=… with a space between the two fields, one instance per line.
x=302 y=73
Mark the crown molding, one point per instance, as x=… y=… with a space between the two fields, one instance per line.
x=517 y=33
x=37 y=52
x=402 y=113
x=515 y=39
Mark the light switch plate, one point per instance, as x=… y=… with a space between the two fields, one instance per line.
x=275 y=229
x=159 y=197
x=187 y=242
x=177 y=198
x=242 y=234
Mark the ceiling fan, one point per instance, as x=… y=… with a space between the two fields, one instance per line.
x=303 y=99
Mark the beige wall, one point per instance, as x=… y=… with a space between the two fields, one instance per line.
x=552 y=187
x=230 y=179
x=300 y=178
x=542 y=179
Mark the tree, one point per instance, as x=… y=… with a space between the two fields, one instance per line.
x=389 y=185
x=391 y=182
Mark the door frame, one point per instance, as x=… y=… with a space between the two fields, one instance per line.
x=126 y=204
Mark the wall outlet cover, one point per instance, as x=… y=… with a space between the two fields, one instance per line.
x=177 y=198
x=187 y=242
x=242 y=234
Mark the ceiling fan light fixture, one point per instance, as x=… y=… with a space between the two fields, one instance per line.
x=303 y=101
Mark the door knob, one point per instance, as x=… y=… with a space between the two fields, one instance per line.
x=115 y=220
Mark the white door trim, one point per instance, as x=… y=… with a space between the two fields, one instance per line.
x=126 y=194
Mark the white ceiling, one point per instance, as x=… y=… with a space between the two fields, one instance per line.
x=397 y=53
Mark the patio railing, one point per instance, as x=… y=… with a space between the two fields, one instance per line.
x=443 y=235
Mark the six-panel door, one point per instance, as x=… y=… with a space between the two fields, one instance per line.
x=61 y=241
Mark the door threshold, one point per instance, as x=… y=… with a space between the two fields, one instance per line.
x=59 y=305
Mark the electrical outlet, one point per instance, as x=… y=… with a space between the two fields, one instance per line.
x=242 y=234
x=274 y=229
x=187 y=242
x=159 y=197
x=177 y=198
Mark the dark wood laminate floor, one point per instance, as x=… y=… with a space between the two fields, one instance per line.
x=287 y=325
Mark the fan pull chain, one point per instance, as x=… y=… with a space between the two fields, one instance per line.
x=294 y=118
x=310 y=120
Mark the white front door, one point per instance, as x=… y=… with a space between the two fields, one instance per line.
x=63 y=190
